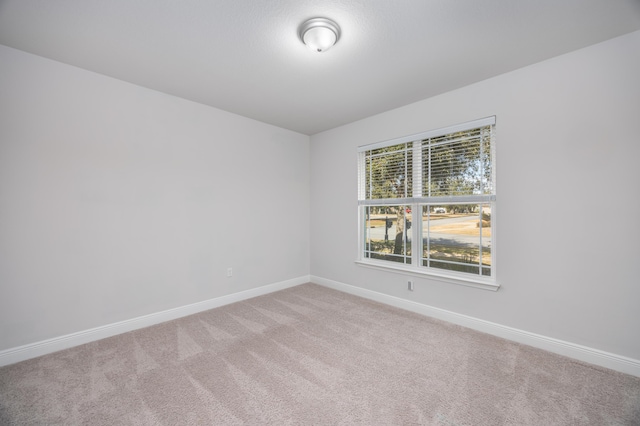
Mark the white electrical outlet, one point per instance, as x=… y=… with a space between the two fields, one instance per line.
x=229 y=272
x=410 y=285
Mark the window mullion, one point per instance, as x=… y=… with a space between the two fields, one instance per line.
x=370 y=179
x=428 y=237
x=482 y=165
x=416 y=213
x=416 y=231
x=417 y=169
x=480 y=241
x=428 y=168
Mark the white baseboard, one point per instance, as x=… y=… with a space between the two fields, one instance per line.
x=22 y=353
x=572 y=350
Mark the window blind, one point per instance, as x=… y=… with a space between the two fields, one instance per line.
x=452 y=164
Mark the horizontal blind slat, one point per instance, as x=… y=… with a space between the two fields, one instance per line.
x=453 y=167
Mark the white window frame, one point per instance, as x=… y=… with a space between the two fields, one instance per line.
x=417 y=200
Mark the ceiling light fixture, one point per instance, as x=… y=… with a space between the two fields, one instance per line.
x=319 y=34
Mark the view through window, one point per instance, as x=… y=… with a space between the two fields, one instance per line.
x=427 y=201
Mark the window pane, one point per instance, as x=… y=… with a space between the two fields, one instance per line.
x=455 y=238
x=389 y=172
x=487 y=166
x=386 y=234
x=458 y=163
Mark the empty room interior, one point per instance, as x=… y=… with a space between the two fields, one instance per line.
x=301 y=212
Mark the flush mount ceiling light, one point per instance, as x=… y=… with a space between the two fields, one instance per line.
x=319 y=34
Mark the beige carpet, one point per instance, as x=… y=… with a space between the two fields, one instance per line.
x=312 y=356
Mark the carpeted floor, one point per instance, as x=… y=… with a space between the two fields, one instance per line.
x=310 y=355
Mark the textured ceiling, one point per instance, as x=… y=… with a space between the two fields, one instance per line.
x=244 y=56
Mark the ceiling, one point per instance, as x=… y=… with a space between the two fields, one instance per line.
x=244 y=56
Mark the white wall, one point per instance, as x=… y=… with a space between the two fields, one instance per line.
x=117 y=201
x=568 y=206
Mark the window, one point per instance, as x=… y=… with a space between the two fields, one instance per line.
x=426 y=203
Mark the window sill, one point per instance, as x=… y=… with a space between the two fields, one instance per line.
x=476 y=282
